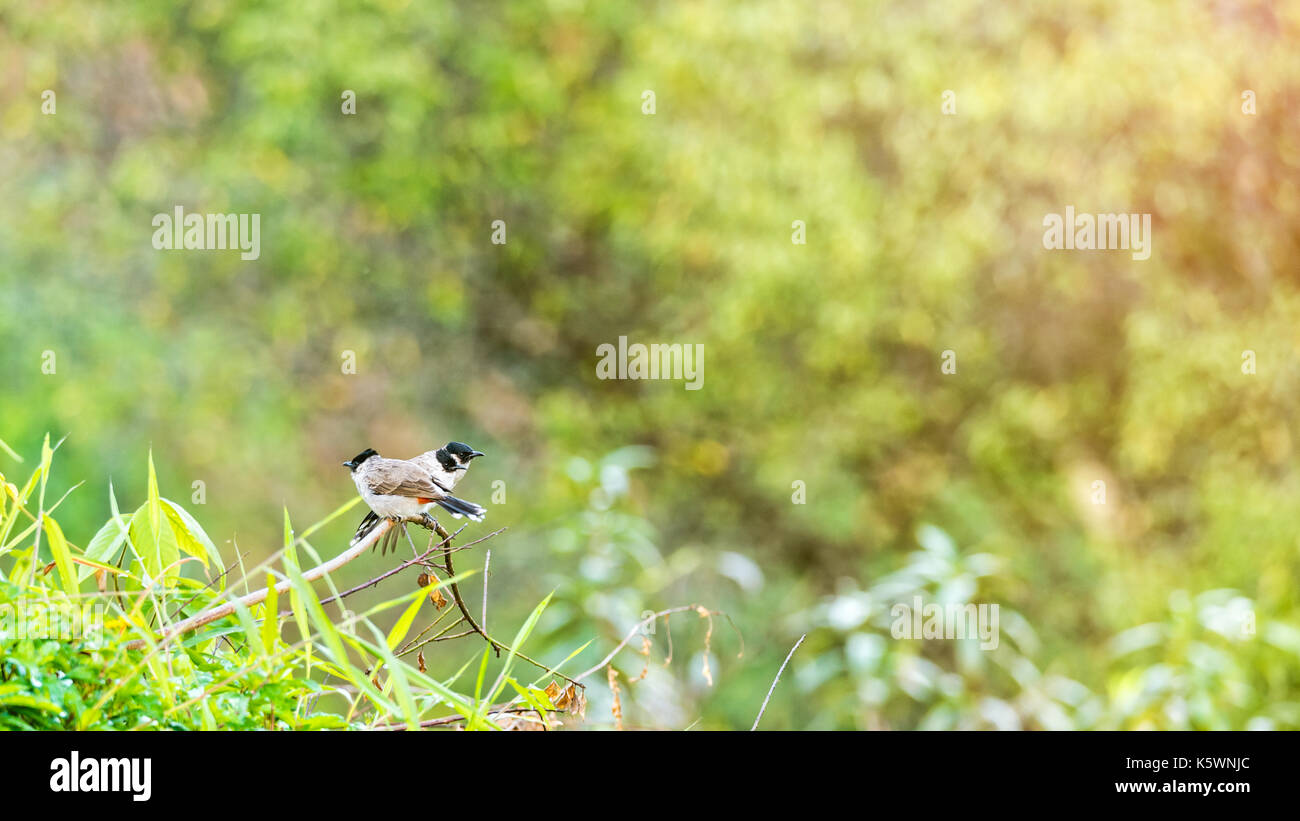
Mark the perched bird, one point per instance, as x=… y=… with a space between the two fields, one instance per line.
x=448 y=463
x=399 y=490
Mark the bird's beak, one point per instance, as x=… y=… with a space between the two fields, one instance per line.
x=349 y=464
x=474 y=453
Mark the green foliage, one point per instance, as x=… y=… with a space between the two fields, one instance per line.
x=68 y=660
x=96 y=685
x=1206 y=665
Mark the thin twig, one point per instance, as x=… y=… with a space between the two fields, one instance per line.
x=415 y=551
x=188 y=601
x=420 y=635
x=455 y=592
x=497 y=646
x=386 y=574
x=438 y=636
x=438 y=722
x=454 y=635
x=789 y=655
x=487 y=562
x=631 y=634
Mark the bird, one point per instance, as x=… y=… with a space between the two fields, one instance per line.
x=449 y=463
x=400 y=490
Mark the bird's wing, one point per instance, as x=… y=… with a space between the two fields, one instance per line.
x=393 y=477
x=425 y=460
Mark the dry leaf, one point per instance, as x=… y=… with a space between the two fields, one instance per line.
x=617 y=708
x=559 y=697
x=527 y=721
x=423 y=580
x=439 y=600
x=645 y=651
x=419 y=661
x=708 y=641
x=570 y=699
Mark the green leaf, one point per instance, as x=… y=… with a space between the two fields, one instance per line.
x=520 y=638
x=457 y=701
x=295 y=600
x=157 y=549
x=65 y=495
x=154 y=501
x=536 y=697
x=252 y=634
x=62 y=556
x=18 y=504
x=47 y=455
x=482 y=673
x=10 y=451
x=29 y=701
x=363 y=683
x=190 y=536
x=397 y=675
x=103 y=547
x=334 y=639
x=271 y=615
x=403 y=624
x=566 y=660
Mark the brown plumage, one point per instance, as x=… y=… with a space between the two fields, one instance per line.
x=395 y=477
x=400 y=490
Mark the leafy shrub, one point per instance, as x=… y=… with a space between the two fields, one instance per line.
x=74 y=660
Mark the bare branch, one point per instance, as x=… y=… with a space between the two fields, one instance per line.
x=464 y=611
x=417 y=560
x=445 y=720
x=770 y=690
x=257 y=596
x=487 y=562
x=630 y=635
x=239 y=558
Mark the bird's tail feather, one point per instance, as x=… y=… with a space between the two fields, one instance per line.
x=460 y=507
x=389 y=540
x=367 y=524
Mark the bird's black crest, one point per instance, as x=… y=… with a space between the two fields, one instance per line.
x=356 y=461
x=458 y=448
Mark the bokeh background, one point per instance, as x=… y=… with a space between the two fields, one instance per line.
x=822 y=361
